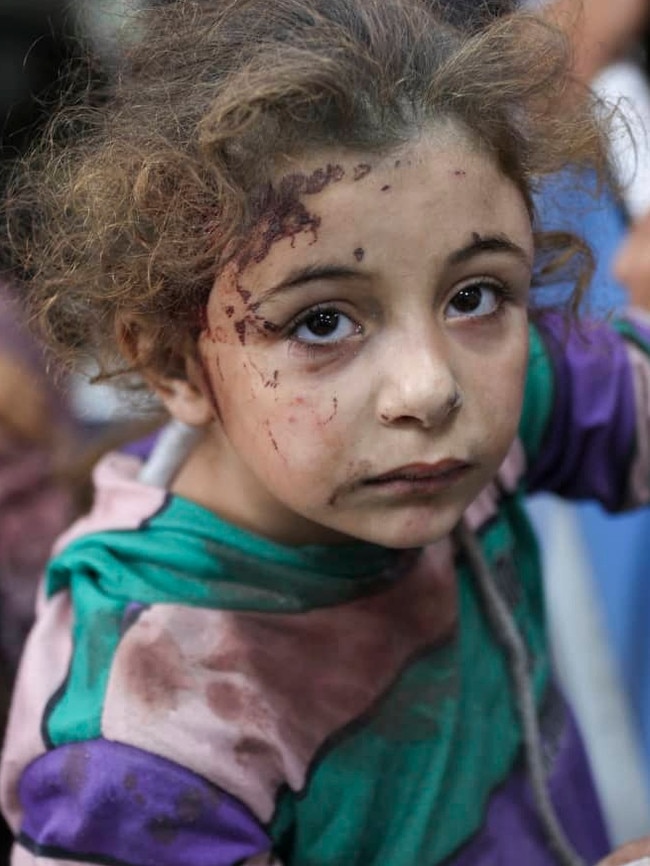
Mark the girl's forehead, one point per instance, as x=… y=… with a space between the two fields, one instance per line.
x=424 y=144
x=422 y=199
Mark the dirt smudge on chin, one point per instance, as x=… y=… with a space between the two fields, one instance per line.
x=356 y=472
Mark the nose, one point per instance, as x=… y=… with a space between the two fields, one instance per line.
x=418 y=385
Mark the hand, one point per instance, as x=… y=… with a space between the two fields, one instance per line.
x=632 y=262
x=633 y=854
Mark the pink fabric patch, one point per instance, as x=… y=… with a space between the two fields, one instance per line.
x=121 y=501
x=43 y=668
x=247 y=699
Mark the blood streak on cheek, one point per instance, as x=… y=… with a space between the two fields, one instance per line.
x=269 y=432
x=332 y=415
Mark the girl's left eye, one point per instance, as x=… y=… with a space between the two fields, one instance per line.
x=475 y=300
x=323 y=325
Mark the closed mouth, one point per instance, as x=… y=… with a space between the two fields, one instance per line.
x=421 y=473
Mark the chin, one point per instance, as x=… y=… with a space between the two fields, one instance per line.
x=413 y=532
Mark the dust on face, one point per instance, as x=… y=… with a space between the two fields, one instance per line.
x=367 y=350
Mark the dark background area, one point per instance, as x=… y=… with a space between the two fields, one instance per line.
x=38 y=43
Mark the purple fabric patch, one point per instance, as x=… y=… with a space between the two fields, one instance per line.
x=588 y=447
x=512 y=834
x=109 y=801
x=140 y=448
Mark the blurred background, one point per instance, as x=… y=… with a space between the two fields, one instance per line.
x=49 y=426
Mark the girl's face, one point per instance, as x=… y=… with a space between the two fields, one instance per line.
x=367 y=353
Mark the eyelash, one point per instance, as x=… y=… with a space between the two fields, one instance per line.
x=503 y=293
x=314 y=348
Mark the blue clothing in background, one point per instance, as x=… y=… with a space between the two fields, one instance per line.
x=618 y=546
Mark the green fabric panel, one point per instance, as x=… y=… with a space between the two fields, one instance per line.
x=538 y=396
x=512 y=551
x=187 y=555
x=76 y=714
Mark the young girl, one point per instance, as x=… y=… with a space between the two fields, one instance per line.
x=308 y=629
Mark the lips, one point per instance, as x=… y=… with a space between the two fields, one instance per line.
x=421 y=473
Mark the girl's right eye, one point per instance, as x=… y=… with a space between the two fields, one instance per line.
x=322 y=326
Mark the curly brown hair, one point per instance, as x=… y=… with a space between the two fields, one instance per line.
x=132 y=220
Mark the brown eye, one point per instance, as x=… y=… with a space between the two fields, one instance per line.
x=468 y=300
x=474 y=301
x=324 y=325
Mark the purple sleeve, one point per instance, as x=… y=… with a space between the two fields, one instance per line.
x=588 y=446
x=141 y=448
x=105 y=802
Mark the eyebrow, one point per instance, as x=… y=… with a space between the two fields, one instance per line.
x=310 y=273
x=489 y=244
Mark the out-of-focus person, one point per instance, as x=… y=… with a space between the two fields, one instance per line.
x=36 y=435
x=601 y=31
x=635 y=853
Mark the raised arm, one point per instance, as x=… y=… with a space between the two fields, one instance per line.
x=586 y=419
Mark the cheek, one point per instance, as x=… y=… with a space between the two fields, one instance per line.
x=310 y=427
x=506 y=389
x=497 y=384
x=260 y=404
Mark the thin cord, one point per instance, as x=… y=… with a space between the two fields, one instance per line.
x=508 y=634
x=175 y=441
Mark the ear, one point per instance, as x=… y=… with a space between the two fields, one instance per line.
x=185 y=393
x=187 y=399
